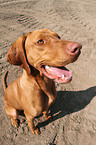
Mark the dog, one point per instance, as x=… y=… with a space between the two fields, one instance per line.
x=43 y=56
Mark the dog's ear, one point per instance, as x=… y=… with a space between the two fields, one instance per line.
x=17 y=55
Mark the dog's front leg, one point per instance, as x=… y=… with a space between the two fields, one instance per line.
x=46 y=88
x=50 y=91
x=30 y=121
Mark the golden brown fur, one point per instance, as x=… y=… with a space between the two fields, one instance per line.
x=33 y=91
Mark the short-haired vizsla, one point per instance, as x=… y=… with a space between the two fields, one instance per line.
x=42 y=55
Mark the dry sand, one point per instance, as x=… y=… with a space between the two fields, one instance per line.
x=74 y=112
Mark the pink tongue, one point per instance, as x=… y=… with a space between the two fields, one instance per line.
x=59 y=72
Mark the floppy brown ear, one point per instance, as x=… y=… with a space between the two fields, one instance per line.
x=17 y=55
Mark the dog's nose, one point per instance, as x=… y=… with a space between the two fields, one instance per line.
x=74 y=47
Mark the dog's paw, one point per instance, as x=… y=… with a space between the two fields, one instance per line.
x=14 y=122
x=36 y=131
x=48 y=117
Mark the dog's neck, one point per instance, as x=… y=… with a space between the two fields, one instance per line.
x=35 y=74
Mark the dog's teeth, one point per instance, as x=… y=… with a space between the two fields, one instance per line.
x=62 y=76
x=48 y=67
x=68 y=77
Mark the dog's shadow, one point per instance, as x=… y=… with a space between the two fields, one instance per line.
x=68 y=102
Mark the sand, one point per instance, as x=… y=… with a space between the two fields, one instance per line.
x=74 y=111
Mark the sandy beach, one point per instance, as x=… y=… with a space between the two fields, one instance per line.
x=74 y=111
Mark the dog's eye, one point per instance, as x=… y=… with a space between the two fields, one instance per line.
x=59 y=37
x=40 y=41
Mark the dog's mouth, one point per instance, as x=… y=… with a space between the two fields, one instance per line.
x=59 y=74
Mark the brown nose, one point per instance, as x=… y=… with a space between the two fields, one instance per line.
x=74 y=47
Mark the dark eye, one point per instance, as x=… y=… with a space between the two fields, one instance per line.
x=59 y=37
x=40 y=41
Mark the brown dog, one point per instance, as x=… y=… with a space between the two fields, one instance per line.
x=41 y=54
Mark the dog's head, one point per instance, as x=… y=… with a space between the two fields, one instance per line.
x=45 y=51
